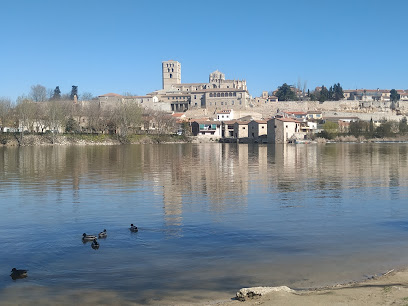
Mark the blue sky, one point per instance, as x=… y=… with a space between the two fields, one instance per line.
x=118 y=46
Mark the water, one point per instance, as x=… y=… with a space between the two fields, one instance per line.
x=212 y=217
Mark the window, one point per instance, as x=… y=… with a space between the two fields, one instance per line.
x=218 y=94
x=211 y=94
x=171 y=75
x=195 y=97
x=243 y=127
x=222 y=94
x=235 y=94
x=222 y=103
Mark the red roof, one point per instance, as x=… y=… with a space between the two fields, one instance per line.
x=111 y=94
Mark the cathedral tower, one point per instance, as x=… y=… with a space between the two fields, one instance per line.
x=171 y=74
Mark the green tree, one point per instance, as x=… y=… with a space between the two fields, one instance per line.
x=338 y=93
x=331 y=128
x=285 y=93
x=403 y=127
x=57 y=94
x=74 y=92
x=394 y=96
x=72 y=126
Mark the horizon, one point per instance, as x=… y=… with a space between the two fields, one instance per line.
x=103 y=47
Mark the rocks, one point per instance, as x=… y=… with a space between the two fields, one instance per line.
x=249 y=293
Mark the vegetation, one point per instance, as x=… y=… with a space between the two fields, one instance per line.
x=334 y=93
x=366 y=130
x=285 y=93
x=60 y=115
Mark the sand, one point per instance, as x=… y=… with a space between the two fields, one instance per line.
x=389 y=289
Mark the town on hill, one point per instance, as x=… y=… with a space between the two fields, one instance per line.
x=219 y=110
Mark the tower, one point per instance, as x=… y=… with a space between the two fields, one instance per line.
x=171 y=74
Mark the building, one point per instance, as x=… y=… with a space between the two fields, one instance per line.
x=281 y=130
x=257 y=129
x=218 y=94
x=206 y=128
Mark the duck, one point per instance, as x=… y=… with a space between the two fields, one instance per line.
x=103 y=234
x=86 y=237
x=16 y=274
x=133 y=228
x=95 y=244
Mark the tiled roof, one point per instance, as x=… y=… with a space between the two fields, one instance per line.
x=111 y=94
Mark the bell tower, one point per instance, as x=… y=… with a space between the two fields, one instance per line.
x=171 y=73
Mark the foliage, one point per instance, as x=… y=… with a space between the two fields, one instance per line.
x=394 y=96
x=285 y=93
x=57 y=94
x=402 y=126
x=72 y=126
x=334 y=93
x=74 y=92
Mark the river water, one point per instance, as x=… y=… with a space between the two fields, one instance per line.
x=212 y=218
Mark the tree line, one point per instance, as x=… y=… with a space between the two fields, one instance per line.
x=366 y=129
x=38 y=93
x=63 y=116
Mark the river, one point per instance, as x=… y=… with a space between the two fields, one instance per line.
x=212 y=218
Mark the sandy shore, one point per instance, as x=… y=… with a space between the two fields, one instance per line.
x=389 y=289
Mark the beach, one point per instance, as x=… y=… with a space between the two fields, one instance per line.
x=388 y=289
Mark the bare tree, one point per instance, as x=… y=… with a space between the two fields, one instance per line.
x=86 y=96
x=57 y=113
x=25 y=112
x=5 y=109
x=127 y=116
x=38 y=93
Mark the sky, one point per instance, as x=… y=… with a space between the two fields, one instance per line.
x=118 y=46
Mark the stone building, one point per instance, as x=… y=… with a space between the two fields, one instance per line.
x=219 y=93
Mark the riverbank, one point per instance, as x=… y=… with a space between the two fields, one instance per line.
x=388 y=289
x=10 y=140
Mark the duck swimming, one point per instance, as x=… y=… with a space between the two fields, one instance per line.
x=103 y=234
x=95 y=244
x=16 y=274
x=133 y=228
x=86 y=237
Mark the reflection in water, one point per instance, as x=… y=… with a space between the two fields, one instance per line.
x=203 y=210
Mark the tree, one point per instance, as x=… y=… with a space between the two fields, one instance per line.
x=86 y=96
x=25 y=111
x=5 y=109
x=74 y=92
x=285 y=93
x=324 y=94
x=338 y=93
x=57 y=93
x=394 y=96
x=38 y=93
x=403 y=127
x=72 y=126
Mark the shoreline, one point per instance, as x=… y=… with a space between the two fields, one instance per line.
x=108 y=140
x=389 y=288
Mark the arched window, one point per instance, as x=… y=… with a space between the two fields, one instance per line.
x=172 y=70
x=171 y=75
x=211 y=94
x=230 y=94
x=168 y=70
x=222 y=94
x=218 y=94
